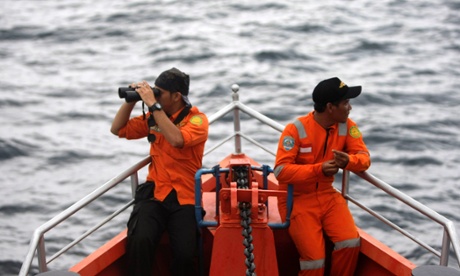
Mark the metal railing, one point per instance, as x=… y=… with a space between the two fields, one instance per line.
x=37 y=243
x=449 y=236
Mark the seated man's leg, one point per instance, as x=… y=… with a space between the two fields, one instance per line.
x=340 y=228
x=145 y=227
x=182 y=230
x=307 y=234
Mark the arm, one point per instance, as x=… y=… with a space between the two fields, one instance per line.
x=287 y=168
x=358 y=154
x=122 y=117
x=359 y=162
x=297 y=173
x=171 y=132
x=196 y=128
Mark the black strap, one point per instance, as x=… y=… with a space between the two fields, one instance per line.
x=151 y=121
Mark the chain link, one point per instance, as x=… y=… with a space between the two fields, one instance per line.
x=242 y=181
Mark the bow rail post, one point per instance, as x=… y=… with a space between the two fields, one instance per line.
x=236 y=119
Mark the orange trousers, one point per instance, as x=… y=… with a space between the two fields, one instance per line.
x=326 y=212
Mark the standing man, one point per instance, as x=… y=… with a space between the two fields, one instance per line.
x=311 y=151
x=177 y=133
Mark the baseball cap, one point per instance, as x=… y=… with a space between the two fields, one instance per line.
x=174 y=80
x=332 y=90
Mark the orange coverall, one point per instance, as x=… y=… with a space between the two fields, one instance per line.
x=318 y=207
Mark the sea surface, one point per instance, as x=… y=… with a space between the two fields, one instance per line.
x=61 y=63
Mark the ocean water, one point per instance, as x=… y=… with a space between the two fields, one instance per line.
x=61 y=63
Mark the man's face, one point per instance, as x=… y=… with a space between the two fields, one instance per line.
x=164 y=97
x=341 y=111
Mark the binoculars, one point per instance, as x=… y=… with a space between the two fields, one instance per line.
x=130 y=94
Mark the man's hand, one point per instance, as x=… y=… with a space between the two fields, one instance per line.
x=146 y=93
x=329 y=168
x=341 y=158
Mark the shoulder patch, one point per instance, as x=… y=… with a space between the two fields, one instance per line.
x=288 y=143
x=196 y=120
x=354 y=132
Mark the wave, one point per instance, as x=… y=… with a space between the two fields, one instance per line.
x=285 y=55
x=12 y=103
x=11 y=267
x=23 y=33
x=13 y=148
x=74 y=157
x=12 y=210
x=258 y=7
x=421 y=161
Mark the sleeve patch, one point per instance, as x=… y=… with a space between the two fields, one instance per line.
x=354 y=132
x=288 y=143
x=196 y=120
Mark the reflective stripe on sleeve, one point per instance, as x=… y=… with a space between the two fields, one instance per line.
x=300 y=129
x=311 y=265
x=277 y=170
x=347 y=243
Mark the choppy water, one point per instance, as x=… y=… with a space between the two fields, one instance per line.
x=62 y=61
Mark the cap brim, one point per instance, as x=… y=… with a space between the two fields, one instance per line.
x=186 y=100
x=353 y=92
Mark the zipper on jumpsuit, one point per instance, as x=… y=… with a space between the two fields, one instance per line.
x=325 y=148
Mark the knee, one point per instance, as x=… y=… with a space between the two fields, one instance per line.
x=140 y=241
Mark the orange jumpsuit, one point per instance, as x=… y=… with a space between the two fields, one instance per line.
x=166 y=159
x=318 y=207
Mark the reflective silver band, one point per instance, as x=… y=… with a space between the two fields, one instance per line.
x=311 y=265
x=347 y=244
x=277 y=170
x=300 y=129
x=343 y=129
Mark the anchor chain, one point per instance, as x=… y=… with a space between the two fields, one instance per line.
x=245 y=214
x=242 y=181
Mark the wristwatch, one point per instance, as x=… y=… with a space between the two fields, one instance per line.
x=155 y=106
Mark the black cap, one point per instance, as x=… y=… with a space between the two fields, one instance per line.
x=174 y=80
x=333 y=90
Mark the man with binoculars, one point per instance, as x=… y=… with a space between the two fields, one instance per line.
x=177 y=133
